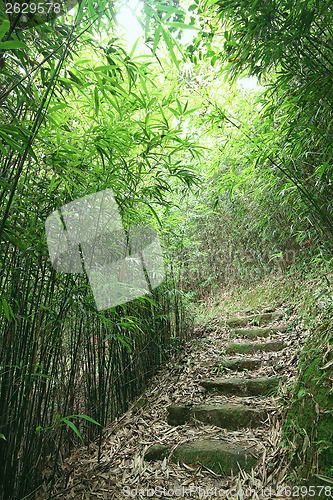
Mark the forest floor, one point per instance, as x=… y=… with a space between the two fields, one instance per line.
x=122 y=471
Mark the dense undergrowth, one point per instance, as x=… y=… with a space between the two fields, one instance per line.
x=308 y=421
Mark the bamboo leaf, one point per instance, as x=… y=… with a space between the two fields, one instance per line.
x=324 y=478
x=72 y=426
x=170 y=43
x=11 y=142
x=12 y=44
x=7 y=309
x=85 y=417
x=96 y=100
x=17 y=242
x=4 y=28
x=157 y=38
x=91 y=9
x=210 y=2
x=183 y=26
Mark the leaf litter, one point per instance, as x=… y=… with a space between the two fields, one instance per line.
x=122 y=471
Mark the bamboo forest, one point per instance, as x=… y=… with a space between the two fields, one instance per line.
x=166 y=249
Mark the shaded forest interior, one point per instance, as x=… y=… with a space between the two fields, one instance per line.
x=211 y=123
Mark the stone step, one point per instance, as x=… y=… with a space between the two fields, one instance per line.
x=216 y=455
x=251 y=347
x=247 y=312
x=227 y=416
x=268 y=308
x=239 y=364
x=256 y=319
x=235 y=322
x=258 y=332
x=262 y=386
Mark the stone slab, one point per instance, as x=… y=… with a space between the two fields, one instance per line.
x=265 y=318
x=255 y=319
x=234 y=322
x=239 y=364
x=178 y=414
x=219 y=456
x=261 y=386
x=227 y=416
x=251 y=348
x=258 y=332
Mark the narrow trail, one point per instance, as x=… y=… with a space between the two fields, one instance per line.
x=208 y=425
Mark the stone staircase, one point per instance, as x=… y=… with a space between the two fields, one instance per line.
x=242 y=385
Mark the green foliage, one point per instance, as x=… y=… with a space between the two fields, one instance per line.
x=308 y=423
x=78 y=116
x=65 y=421
x=266 y=202
x=238 y=184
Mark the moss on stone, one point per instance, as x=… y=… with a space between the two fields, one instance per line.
x=241 y=386
x=251 y=348
x=239 y=364
x=258 y=332
x=178 y=415
x=157 y=452
x=234 y=322
x=216 y=455
x=310 y=412
x=240 y=348
x=229 y=416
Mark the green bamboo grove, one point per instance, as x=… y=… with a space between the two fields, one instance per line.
x=236 y=183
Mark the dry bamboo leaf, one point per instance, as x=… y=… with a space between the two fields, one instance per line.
x=306 y=442
x=121 y=440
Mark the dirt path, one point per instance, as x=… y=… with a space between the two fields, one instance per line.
x=208 y=426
